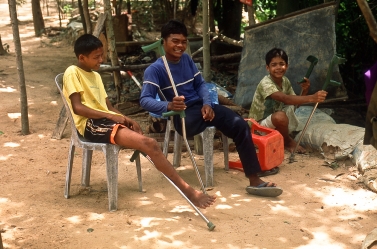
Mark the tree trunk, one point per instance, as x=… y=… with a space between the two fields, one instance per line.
x=59 y=3
x=119 y=9
x=20 y=67
x=88 y=24
x=286 y=6
x=232 y=15
x=229 y=16
x=2 y=50
x=369 y=18
x=128 y=7
x=250 y=13
x=112 y=48
x=38 y=21
x=212 y=26
x=81 y=11
x=165 y=4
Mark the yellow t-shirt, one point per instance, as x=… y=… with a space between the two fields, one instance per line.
x=91 y=89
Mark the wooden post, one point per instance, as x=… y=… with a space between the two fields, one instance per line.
x=206 y=66
x=112 y=48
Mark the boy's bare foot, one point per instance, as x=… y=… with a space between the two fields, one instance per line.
x=291 y=145
x=201 y=200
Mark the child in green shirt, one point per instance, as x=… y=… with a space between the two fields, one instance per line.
x=274 y=93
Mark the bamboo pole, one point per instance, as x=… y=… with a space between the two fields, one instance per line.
x=206 y=52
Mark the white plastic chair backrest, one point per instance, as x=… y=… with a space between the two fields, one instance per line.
x=59 y=84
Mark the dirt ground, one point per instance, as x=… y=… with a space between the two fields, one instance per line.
x=320 y=207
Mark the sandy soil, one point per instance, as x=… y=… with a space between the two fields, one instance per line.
x=320 y=207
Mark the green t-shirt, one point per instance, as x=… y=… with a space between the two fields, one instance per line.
x=263 y=105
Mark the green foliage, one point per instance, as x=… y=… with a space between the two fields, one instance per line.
x=355 y=44
x=92 y=4
x=20 y=2
x=144 y=15
x=67 y=9
x=244 y=24
x=265 y=9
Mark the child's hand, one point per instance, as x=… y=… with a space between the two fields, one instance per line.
x=133 y=125
x=305 y=86
x=119 y=119
x=320 y=96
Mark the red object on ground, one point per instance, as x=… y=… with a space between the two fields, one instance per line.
x=247 y=2
x=269 y=144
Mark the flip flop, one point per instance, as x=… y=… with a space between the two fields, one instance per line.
x=262 y=190
x=272 y=171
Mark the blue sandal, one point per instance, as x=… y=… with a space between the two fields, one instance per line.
x=263 y=190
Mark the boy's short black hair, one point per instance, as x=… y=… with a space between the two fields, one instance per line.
x=173 y=27
x=276 y=52
x=85 y=44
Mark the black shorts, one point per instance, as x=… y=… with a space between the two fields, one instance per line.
x=101 y=130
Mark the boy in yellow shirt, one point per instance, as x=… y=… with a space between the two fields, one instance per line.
x=98 y=121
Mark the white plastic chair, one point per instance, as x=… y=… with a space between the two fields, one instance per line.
x=111 y=152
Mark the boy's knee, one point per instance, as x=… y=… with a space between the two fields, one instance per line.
x=279 y=118
x=150 y=143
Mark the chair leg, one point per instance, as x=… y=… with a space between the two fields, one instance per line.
x=86 y=167
x=165 y=148
x=111 y=154
x=207 y=137
x=68 y=175
x=177 y=149
x=226 y=151
x=138 y=170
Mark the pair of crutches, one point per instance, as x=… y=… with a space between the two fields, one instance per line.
x=210 y=225
x=334 y=61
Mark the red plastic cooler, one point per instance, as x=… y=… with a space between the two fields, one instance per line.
x=269 y=144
